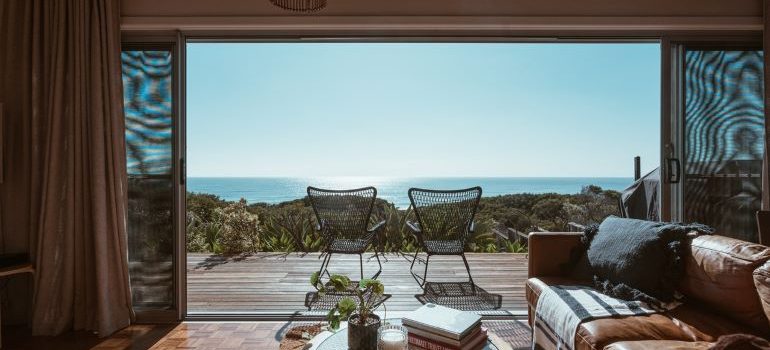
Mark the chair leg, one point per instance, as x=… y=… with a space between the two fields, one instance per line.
x=376 y=255
x=325 y=265
x=414 y=275
x=361 y=264
x=468 y=269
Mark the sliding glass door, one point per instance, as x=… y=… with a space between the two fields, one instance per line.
x=148 y=102
x=722 y=138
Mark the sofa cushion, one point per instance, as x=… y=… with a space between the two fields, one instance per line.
x=637 y=259
x=719 y=273
x=685 y=323
x=658 y=344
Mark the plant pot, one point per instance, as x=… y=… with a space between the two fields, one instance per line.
x=363 y=335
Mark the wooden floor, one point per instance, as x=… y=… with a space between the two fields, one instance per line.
x=271 y=282
x=187 y=335
x=206 y=335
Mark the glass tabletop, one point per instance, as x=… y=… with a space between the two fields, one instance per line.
x=339 y=340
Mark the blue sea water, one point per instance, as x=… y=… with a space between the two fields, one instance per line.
x=280 y=189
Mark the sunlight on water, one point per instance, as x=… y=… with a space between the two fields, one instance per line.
x=349 y=182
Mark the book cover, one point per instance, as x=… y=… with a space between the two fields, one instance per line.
x=442 y=339
x=448 y=322
x=432 y=344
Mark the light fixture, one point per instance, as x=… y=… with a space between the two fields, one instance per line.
x=300 y=5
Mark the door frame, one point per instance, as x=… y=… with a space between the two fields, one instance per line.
x=218 y=37
x=169 y=41
x=672 y=108
x=671 y=135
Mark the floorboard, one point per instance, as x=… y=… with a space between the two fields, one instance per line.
x=272 y=282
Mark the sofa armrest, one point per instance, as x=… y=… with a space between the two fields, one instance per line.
x=550 y=251
x=762 y=283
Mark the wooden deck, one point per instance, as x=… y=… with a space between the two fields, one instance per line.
x=272 y=282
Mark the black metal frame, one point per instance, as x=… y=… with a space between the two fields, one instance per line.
x=342 y=245
x=456 y=242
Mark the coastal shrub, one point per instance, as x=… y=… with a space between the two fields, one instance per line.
x=550 y=213
x=290 y=228
x=204 y=206
x=514 y=218
x=226 y=227
x=515 y=247
x=202 y=224
x=396 y=236
x=483 y=240
x=278 y=243
x=592 y=205
x=212 y=232
x=196 y=240
x=240 y=228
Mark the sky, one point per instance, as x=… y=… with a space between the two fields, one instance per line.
x=422 y=109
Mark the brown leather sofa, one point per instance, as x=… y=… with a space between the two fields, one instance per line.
x=726 y=286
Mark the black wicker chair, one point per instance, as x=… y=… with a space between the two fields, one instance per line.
x=343 y=221
x=444 y=223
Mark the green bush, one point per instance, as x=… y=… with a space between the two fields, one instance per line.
x=224 y=227
x=515 y=247
x=396 y=236
x=239 y=230
x=290 y=228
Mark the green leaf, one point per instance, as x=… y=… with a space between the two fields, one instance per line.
x=365 y=282
x=346 y=306
x=340 y=282
x=376 y=287
x=334 y=323
x=314 y=279
x=333 y=318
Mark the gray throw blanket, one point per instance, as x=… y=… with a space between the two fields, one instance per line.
x=561 y=309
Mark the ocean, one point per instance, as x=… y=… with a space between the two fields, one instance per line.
x=280 y=189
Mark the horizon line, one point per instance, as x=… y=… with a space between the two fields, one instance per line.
x=408 y=177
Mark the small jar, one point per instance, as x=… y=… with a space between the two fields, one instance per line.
x=392 y=337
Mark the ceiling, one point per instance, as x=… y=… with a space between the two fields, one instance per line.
x=641 y=8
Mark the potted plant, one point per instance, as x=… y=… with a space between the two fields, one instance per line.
x=358 y=309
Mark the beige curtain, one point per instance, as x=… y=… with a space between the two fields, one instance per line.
x=67 y=127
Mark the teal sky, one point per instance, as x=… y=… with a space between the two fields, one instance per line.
x=376 y=109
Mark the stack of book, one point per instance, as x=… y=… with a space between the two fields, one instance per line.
x=435 y=327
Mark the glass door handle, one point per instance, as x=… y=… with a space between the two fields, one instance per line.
x=182 y=171
x=673 y=170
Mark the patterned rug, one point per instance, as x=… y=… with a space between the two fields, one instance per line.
x=517 y=332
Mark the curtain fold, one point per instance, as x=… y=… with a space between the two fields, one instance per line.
x=70 y=139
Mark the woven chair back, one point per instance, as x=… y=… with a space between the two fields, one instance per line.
x=445 y=215
x=343 y=214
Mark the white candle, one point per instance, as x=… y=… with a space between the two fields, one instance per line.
x=393 y=339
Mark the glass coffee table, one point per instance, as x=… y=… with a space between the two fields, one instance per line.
x=339 y=340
